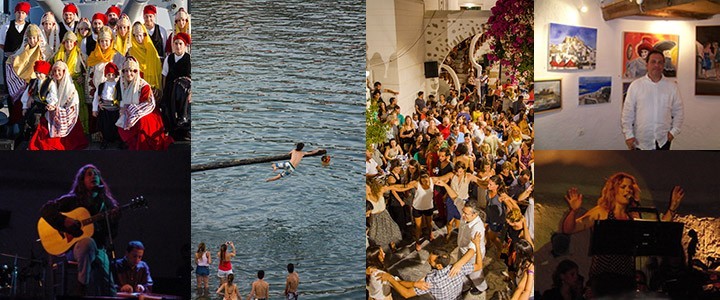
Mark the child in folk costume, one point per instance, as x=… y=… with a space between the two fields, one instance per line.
x=106 y=105
x=139 y=125
x=58 y=128
x=103 y=54
x=35 y=97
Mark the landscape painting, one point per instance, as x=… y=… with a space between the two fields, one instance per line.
x=594 y=90
x=571 y=47
x=548 y=95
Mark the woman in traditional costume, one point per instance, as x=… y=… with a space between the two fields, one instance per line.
x=139 y=125
x=19 y=70
x=122 y=35
x=58 y=128
x=69 y=53
x=51 y=34
x=182 y=25
x=143 y=50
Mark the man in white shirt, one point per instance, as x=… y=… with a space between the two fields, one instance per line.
x=471 y=225
x=653 y=111
x=158 y=34
x=88 y=44
x=371 y=166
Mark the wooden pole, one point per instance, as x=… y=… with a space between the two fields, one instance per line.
x=246 y=161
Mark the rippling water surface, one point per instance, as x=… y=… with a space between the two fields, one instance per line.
x=269 y=74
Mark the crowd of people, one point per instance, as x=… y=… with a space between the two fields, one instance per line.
x=460 y=165
x=107 y=79
x=228 y=287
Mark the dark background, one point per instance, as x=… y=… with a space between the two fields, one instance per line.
x=29 y=179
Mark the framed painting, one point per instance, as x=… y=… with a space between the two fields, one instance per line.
x=636 y=47
x=548 y=95
x=594 y=90
x=707 y=60
x=571 y=47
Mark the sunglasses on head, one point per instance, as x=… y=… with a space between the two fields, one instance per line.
x=128 y=70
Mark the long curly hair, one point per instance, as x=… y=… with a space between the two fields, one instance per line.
x=607 y=197
x=79 y=189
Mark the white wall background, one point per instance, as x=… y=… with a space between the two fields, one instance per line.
x=597 y=126
x=396 y=48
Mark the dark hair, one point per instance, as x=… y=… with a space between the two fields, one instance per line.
x=523 y=254
x=201 y=248
x=299 y=146
x=291 y=268
x=443 y=257
x=223 y=250
x=372 y=257
x=135 y=245
x=79 y=189
x=462 y=149
x=647 y=58
x=431 y=96
x=230 y=278
x=562 y=268
x=261 y=274
x=376 y=92
x=420 y=93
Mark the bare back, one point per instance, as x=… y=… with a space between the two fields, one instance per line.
x=292 y=282
x=296 y=157
x=260 y=289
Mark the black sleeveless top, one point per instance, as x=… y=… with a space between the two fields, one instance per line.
x=157 y=41
x=62 y=31
x=89 y=45
x=13 y=38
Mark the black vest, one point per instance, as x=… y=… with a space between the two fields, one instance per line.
x=13 y=38
x=39 y=95
x=157 y=41
x=62 y=30
x=178 y=69
x=89 y=45
x=118 y=94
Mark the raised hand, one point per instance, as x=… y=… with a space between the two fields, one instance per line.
x=573 y=198
x=677 y=195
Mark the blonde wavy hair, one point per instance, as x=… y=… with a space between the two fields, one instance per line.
x=607 y=197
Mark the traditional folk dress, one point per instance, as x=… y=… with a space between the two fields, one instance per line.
x=58 y=128
x=96 y=62
x=19 y=70
x=140 y=125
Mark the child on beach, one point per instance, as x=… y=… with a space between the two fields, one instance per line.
x=288 y=167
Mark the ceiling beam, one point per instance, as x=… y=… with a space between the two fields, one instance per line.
x=661 y=8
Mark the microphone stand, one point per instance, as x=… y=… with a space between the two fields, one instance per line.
x=111 y=245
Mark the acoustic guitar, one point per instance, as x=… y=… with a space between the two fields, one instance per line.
x=57 y=242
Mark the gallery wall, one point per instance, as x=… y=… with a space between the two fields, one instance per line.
x=396 y=48
x=598 y=126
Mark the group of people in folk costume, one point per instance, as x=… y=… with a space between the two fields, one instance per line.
x=105 y=78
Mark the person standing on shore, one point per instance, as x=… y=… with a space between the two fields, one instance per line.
x=291 y=283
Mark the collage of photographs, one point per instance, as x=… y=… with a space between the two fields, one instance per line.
x=254 y=193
